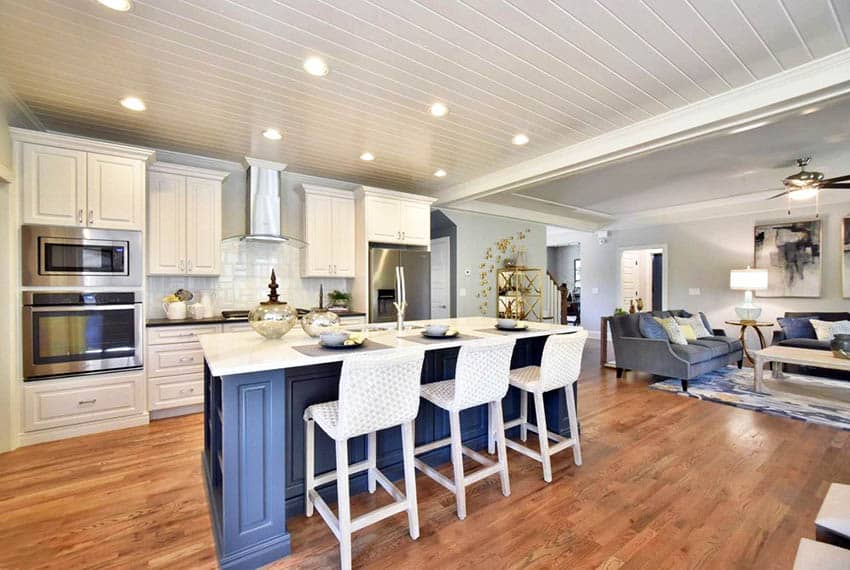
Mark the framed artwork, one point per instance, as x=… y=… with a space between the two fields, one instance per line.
x=791 y=253
x=845 y=257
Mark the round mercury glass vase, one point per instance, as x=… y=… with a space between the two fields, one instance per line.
x=319 y=319
x=273 y=318
x=840 y=345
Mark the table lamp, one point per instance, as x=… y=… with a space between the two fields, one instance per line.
x=748 y=280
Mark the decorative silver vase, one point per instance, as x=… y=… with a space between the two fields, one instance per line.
x=319 y=319
x=273 y=318
x=840 y=345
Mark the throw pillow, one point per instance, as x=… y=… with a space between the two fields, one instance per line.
x=687 y=331
x=706 y=324
x=671 y=327
x=797 y=327
x=826 y=330
x=696 y=324
x=649 y=328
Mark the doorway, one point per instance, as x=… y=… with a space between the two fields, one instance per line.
x=642 y=278
x=441 y=278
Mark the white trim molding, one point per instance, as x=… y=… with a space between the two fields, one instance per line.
x=193 y=171
x=82 y=143
x=665 y=264
x=510 y=212
x=807 y=84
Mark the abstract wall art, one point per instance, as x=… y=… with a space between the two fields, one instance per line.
x=791 y=253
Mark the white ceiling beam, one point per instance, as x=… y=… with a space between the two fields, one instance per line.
x=807 y=84
x=492 y=209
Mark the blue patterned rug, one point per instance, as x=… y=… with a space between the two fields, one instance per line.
x=807 y=398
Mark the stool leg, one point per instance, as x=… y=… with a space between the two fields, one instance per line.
x=457 y=464
x=571 y=410
x=496 y=411
x=371 y=450
x=523 y=414
x=309 y=467
x=491 y=431
x=544 y=436
x=343 y=504
x=410 y=479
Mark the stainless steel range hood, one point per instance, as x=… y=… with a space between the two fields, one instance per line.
x=263 y=204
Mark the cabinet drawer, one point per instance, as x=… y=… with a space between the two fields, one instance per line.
x=179 y=334
x=61 y=402
x=171 y=359
x=236 y=327
x=174 y=391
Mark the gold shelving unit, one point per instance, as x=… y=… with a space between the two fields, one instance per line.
x=520 y=293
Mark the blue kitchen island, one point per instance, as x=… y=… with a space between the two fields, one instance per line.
x=255 y=394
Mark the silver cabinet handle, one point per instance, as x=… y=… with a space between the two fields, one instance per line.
x=91 y=216
x=187 y=359
x=403 y=235
x=181 y=266
x=87 y=402
x=187 y=391
x=80 y=216
x=189 y=265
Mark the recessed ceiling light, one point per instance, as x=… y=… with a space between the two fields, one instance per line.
x=315 y=65
x=272 y=134
x=118 y=5
x=749 y=127
x=520 y=139
x=367 y=156
x=440 y=173
x=439 y=110
x=133 y=103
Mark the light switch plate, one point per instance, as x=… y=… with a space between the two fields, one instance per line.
x=694 y=291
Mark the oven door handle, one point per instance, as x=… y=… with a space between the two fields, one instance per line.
x=53 y=308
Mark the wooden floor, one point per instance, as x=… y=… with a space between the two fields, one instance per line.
x=667 y=482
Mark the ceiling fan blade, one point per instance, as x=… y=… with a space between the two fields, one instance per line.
x=839 y=186
x=781 y=194
x=829 y=181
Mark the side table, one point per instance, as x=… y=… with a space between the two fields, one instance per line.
x=756 y=325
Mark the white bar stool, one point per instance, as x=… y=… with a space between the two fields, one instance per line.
x=481 y=377
x=559 y=368
x=375 y=392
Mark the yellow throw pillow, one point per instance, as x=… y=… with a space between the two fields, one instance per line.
x=671 y=327
x=688 y=331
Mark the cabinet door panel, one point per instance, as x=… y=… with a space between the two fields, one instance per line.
x=383 y=223
x=343 y=237
x=115 y=192
x=53 y=185
x=203 y=226
x=415 y=222
x=166 y=224
x=318 y=225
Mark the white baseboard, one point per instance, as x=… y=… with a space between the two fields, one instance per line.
x=593 y=334
x=178 y=411
x=64 y=432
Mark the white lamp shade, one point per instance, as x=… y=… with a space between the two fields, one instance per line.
x=748 y=279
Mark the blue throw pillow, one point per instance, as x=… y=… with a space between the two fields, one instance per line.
x=706 y=323
x=797 y=327
x=649 y=328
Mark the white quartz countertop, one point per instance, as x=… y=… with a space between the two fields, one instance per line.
x=242 y=352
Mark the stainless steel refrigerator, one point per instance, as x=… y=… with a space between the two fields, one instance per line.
x=382 y=285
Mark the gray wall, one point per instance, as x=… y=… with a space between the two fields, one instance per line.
x=477 y=232
x=560 y=262
x=700 y=255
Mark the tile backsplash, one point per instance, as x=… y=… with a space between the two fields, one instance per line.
x=245 y=270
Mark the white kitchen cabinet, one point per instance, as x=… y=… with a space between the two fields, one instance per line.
x=329 y=231
x=395 y=217
x=184 y=220
x=68 y=181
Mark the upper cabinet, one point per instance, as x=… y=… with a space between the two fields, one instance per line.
x=329 y=231
x=396 y=217
x=68 y=181
x=184 y=220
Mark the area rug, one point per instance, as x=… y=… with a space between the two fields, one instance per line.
x=807 y=398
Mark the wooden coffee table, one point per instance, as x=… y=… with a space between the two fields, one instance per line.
x=779 y=355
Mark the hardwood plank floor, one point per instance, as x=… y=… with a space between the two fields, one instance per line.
x=667 y=482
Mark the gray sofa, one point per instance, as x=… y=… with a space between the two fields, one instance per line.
x=796 y=331
x=660 y=357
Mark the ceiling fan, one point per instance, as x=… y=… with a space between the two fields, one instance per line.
x=807 y=184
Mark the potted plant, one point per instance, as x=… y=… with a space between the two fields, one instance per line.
x=339 y=300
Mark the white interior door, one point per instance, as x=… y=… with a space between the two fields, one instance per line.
x=440 y=278
x=629 y=278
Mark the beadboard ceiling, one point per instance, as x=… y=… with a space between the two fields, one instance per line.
x=215 y=73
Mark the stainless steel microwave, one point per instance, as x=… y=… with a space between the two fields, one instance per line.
x=59 y=256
